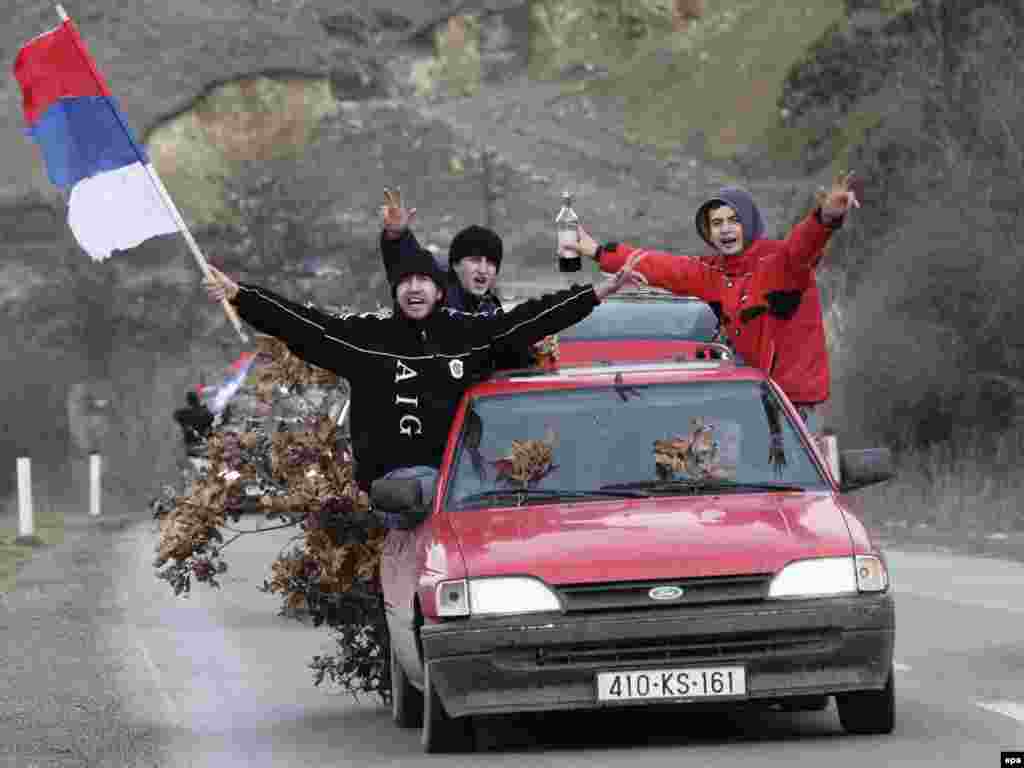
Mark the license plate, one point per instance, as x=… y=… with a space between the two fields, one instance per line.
x=690 y=683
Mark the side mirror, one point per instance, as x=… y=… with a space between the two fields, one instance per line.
x=867 y=466
x=398 y=502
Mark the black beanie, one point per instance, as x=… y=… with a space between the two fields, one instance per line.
x=413 y=260
x=475 y=241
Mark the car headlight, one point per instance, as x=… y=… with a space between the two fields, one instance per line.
x=872 y=575
x=495 y=596
x=827 y=576
x=452 y=598
x=815 y=578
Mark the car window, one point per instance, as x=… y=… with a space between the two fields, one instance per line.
x=649 y=437
x=647 y=319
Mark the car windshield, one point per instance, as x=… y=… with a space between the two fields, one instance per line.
x=687 y=320
x=628 y=441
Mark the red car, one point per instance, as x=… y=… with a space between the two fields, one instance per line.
x=629 y=534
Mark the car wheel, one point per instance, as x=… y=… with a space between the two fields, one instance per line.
x=871 y=712
x=442 y=733
x=406 y=701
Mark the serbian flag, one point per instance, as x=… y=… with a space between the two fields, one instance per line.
x=218 y=397
x=115 y=201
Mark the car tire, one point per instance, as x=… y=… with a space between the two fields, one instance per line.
x=868 y=712
x=406 y=701
x=442 y=733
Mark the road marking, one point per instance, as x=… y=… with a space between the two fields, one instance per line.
x=169 y=705
x=900 y=667
x=1008 y=708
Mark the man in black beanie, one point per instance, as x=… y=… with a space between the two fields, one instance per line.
x=408 y=371
x=474 y=261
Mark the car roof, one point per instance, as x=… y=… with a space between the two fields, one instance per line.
x=514 y=295
x=646 y=293
x=603 y=373
x=642 y=313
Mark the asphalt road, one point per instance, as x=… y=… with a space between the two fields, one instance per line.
x=224 y=682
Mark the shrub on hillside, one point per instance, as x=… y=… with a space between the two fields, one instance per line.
x=929 y=301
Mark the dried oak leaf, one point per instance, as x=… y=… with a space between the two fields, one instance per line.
x=546 y=351
x=279 y=367
x=695 y=455
x=528 y=461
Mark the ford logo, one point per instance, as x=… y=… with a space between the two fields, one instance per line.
x=665 y=593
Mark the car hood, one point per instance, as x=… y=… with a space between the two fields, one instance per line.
x=636 y=540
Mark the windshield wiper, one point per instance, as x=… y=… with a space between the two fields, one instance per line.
x=700 y=486
x=554 y=493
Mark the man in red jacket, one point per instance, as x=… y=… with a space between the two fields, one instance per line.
x=763 y=291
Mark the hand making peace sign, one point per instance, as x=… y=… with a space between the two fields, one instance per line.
x=837 y=201
x=394 y=218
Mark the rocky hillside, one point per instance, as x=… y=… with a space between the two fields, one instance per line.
x=276 y=124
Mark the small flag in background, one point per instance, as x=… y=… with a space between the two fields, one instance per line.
x=221 y=395
x=89 y=150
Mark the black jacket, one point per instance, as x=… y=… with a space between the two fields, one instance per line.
x=505 y=356
x=406 y=377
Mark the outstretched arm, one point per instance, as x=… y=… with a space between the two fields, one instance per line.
x=534 y=319
x=683 y=275
x=806 y=243
x=300 y=327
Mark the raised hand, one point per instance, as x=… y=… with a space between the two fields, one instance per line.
x=219 y=286
x=625 y=276
x=837 y=201
x=394 y=218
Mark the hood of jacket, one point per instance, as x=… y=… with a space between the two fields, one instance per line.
x=740 y=201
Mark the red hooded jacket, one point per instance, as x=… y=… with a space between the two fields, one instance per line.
x=766 y=297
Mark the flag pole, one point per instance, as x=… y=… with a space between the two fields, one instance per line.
x=165 y=197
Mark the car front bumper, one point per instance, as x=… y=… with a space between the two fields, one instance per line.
x=550 y=661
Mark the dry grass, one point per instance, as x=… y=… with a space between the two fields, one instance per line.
x=721 y=78
x=49 y=528
x=973 y=483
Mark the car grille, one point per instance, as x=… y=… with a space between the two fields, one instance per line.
x=759 y=645
x=624 y=596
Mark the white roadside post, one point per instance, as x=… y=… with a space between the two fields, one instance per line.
x=94 y=484
x=26 y=523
